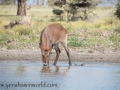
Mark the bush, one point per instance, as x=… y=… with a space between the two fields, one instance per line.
x=117 y=13
x=57 y=11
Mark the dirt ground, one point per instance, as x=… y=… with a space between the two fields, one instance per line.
x=81 y=55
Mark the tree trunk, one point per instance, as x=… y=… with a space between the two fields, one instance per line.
x=21 y=10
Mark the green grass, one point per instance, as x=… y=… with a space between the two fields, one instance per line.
x=74 y=42
x=101 y=31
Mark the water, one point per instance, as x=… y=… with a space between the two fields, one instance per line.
x=31 y=75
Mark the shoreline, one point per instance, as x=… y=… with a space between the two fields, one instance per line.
x=75 y=56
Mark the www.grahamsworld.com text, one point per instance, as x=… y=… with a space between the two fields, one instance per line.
x=18 y=84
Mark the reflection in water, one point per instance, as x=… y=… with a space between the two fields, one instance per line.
x=21 y=70
x=54 y=75
x=55 y=70
x=45 y=69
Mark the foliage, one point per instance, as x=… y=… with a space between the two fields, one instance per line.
x=57 y=11
x=117 y=13
x=72 y=7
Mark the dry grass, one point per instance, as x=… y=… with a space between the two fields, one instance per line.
x=101 y=31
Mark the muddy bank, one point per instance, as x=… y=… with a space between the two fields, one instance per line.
x=75 y=56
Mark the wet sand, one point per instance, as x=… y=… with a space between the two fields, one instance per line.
x=76 y=55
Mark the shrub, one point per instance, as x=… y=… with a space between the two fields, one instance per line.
x=57 y=11
x=117 y=13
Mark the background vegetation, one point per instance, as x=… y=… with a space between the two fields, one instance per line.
x=100 y=31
